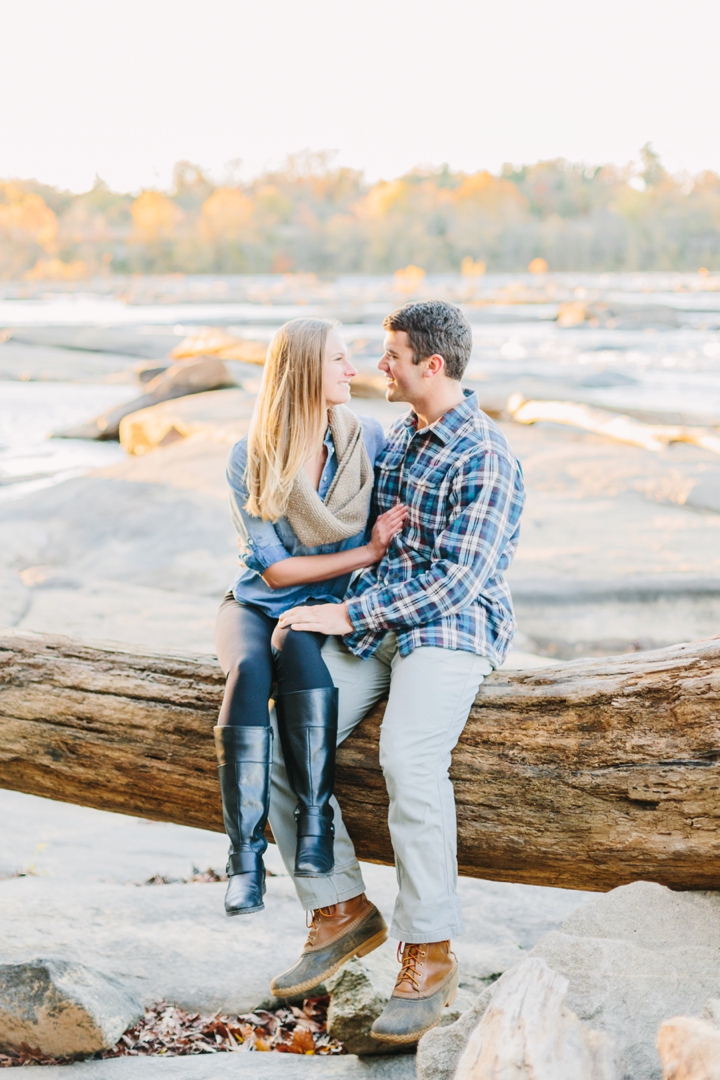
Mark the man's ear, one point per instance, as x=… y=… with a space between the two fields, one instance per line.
x=434 y=365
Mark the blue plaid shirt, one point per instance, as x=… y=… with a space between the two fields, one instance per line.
x=441 y=581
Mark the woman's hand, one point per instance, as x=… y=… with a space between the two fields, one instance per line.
x=387 y=525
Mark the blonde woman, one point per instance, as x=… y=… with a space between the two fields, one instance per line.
x=300 y=487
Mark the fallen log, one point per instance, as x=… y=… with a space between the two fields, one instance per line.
x=587 y=775
x=613 y=425
x=183 y=378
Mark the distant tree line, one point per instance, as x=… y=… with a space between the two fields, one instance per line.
x=313 y=216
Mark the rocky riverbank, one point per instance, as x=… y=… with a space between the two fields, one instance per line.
x=620 y=551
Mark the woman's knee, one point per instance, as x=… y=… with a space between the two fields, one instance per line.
x=299 y=662
x=248 y=672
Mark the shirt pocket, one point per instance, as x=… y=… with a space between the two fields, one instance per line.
x=388 y=473
x=427 y=497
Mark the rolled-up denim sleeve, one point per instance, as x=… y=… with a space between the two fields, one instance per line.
x=260 y=545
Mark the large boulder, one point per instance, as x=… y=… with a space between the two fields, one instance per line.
x=633 y=958
x=60 y=1007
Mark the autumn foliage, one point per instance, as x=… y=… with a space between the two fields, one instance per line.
x=314 y=216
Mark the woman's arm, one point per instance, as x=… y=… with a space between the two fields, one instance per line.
x=306 y=569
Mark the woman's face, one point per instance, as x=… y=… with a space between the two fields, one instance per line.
x=337 y=371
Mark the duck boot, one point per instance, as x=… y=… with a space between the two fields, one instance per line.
x=428 y=981
x=337 y=933
x=244 y=765
x=308 y=721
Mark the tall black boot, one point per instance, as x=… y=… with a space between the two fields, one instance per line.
x=308 y=723
x=244 y=765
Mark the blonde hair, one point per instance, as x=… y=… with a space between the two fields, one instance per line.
x=290 y=417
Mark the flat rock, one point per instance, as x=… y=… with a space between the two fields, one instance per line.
x=62 y=1007
x=78 y=901
x=255 y=1066
x=170 y=942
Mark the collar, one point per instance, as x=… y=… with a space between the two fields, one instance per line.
x=448 y=425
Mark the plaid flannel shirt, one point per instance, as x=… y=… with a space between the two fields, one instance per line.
x=441 y=581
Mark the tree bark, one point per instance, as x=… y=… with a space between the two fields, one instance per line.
x=587 y=775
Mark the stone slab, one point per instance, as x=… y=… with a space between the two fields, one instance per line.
x=271 y=1066
x=176 y=939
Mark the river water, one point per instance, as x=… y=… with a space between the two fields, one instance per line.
x=643 y=342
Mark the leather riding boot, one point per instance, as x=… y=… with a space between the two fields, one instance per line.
x=308 y=723
x=337 y=933
x=427 y=982
x=244 y=765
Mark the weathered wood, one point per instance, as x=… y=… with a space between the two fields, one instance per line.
x=586 y=775
x=528 y=1031
x=614 y=425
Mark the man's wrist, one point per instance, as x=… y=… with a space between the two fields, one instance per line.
x=358 y=617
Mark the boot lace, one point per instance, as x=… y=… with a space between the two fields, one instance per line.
x=410 y=957
x=312 y=921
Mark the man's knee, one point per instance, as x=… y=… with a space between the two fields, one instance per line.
x=409 y=764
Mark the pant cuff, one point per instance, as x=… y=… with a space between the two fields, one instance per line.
x=421 y=937
x=330 y=890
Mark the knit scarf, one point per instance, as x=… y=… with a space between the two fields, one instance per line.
x=344 y=511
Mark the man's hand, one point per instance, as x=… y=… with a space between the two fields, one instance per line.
x=319 y=618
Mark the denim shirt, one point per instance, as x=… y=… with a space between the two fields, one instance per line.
x=263 y=543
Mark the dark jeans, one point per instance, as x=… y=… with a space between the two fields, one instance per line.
x=254 y=655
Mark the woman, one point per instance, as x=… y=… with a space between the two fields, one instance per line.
x=300 y=487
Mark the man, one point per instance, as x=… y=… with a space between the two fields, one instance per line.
x=424 y=626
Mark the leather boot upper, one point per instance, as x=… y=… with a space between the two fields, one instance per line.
x=423 y=969
x=331 y=923
x=337 y=933
x=427 y=982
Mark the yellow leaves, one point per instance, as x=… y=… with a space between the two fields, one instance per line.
x=482 y=190
x=29 y=218
x=538 y=266
x=409 y=279
x=155 y=216
x=225 y=213
x=385 y=197
x=57 y=270
x=472 y=268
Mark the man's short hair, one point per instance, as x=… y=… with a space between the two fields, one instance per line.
x=433 y=326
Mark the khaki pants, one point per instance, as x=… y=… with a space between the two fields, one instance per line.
x=430 y=693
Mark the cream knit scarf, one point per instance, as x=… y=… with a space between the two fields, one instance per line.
x=344 y=512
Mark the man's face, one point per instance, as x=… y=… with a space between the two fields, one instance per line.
x=405 y=379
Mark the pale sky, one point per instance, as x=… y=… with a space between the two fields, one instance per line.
x=124 y=88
